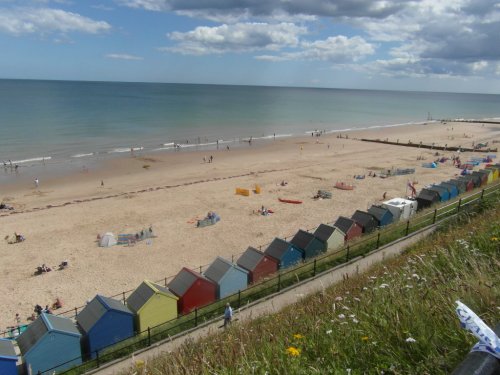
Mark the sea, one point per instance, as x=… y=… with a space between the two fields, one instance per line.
x=61 y=125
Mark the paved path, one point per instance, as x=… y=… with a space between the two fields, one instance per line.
x=273 y=303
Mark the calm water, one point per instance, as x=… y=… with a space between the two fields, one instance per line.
x=67 y=122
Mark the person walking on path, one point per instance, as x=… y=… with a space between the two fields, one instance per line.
x=228 y=315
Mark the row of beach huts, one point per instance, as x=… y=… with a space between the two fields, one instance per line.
x=59 y=343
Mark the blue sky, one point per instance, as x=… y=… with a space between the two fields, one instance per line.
x=445 y=45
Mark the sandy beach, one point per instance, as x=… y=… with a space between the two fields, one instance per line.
x=62 y=217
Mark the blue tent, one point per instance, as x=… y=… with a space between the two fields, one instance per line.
x=229 y=277
x=452 y=189
x=104 y=322
x=50 y=342
x=8 y=358
x=284 y=252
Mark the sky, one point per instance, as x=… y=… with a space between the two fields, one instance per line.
x=422 y=45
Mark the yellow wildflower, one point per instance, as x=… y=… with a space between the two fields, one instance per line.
x=494 y=239
x=298 y=336
x=364 y=338
x=294 y=352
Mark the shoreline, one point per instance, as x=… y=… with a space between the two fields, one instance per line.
x=177 y=188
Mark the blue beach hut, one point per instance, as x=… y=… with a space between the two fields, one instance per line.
x=8 y=358
x=452 y=189
x=50 y=342
x=310 y=245
x=444 y=195
x=104 y=322
x=284 y=252
x=229 y=277
x=382 y=215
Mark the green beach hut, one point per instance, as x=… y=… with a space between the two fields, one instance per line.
x=153 y=305
x=332 y=236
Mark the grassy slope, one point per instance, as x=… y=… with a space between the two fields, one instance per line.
x=397 y=319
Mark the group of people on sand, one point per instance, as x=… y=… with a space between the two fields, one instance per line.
x=18 y=237
x=209 y=159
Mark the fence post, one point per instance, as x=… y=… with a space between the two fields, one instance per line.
x=314 y=269
x=459 y=204
x=407 y=227
x=76 y=311
x=239 y=299
x=97 y=358
x=124 y=298
x=482 y=194
x=200 y=269
x=279 y=282
x=347 y=255
x=196 y=317
x=378 y=240
x=149 y=336
x=232 y=258
x=435 y=214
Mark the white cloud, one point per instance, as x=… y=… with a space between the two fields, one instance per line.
x=338 y=49
x=19 y=21
x=123 y=56
x=240 y=37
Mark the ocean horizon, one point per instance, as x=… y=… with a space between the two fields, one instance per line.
x=68 y=123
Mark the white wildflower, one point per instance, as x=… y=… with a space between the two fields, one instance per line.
x=338 y=298
x=411 y=339
x=408 y=286
x=355 y=321
x=352 y=316
x=341 y=316
x=365 y=288
x=373 y=277
x=329 y=332
x=345 y=307
x=383 y=286
x=415 y=276
x=357 y=299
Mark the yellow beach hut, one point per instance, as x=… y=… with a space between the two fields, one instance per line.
x=153 y=305
x=494 y=171
x=489 y=173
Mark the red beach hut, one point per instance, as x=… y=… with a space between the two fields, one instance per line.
x=258 y=264
x=349 y=227
x=193 y=289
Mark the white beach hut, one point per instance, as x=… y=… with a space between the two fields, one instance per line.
x=107 y=240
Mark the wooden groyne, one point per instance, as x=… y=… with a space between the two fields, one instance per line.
x=430 y=147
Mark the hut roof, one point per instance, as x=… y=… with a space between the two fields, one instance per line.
x=362 y=217
x=324 y=232
x=457 y=182
x=378 y=212
x=302 y=239
x=250 y=258
x=440 y=190
x=44 y=324
x=96 y=308
x=183 y=281
x=219 y=268
x=428 y=194
x=344 y=224
x=7 y=350
x=277 y=248
x=144 y=292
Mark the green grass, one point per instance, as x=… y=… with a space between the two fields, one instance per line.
x=398 y=318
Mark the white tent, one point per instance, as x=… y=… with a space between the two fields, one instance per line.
x=107 y=240
x=401 y=208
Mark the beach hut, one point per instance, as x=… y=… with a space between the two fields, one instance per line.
x=229 y=277
x=482 y=175
x=107 y=240
x=489 y=173
x=452 y=189
x=193 y=289
x=349 y=227
x=258 y=264
x=401 y=208
x=8 y=358
x=461 y=185
x=331 y=236
x=284 y=252
x=381 y=214
x=494 y=171
x=152 y=305
x=475 y=178
x=104 y=321
x=469 y=182
x=444 y=194
x=50 y=343
x=427 y=198
x=366 y=220
x=308 y=243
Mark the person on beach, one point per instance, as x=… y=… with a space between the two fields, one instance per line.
x=204 y=159
x=102 y=183
x=37 y=182
x=17 y=319
x=228 y=315
x=211 y=159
